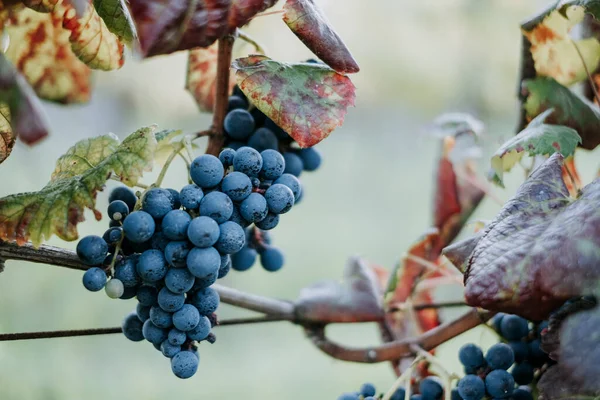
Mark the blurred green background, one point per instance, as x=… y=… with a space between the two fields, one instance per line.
x=372 y=197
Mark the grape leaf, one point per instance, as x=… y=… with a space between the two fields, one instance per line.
x=554 y=53
x=7 y=137
x=117 y=18
x=79 y=175
x=537 y=139
x=570 y=109
x=306 y=100
x=164 y=148
x=167 y=26
x=355 y=299
x=458 y=253
x=306 y=19
x=541 y=249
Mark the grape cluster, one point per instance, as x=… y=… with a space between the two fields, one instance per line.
x=429 y=388
x=176 y=245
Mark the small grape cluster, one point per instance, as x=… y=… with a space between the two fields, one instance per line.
x=429 y=388
x=258 y=243
x=176 y=245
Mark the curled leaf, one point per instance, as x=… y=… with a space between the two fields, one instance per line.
x=308 y=101
x=458 y=253
x=115 y=15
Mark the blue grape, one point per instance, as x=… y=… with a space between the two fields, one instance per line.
x=206 y=171
x=157 y=202
x=159 y=241
x=225 y=266
x=520 y=350
x=236 y=217
x=500 y=356
x=179 y=280
x=203 y=232
x=454 y=395
x=248 y=161
x=521 y=394
x=125 y=271
x=293 y=183
x=254 y=208
x=280 y=199
x=263 y=139
x=142 y=312
x=270 y=222
x=187 y=318
x=168 y=349
x=175 y=224
x=431 y=389
x=124 y=194
x=535 y=349
x=153 y=333
x=117 y=210
x=201 y=330
x=176 y=253
x=273 y=164
x=92 y=250
x=139 y=226
x=471 y=356
x=367 y=389
x=234 y=102
x=239 y=124
x=151 y=266
x=293 y=164
x=216 y=205
x=514 y=327
x=176 y=337
x=113 y=236
x=399 y=394
x=237 y=186
x=170 y=301
x=94 y=279
x=497 y=321
x=311 y=159
x=523 y=373
x=132 y=328
x=206 y=301
x=147 y=295
x=349 y=396
x=190 y=196
x=202 y=283
x=244 y=259
x=176 y=199
x=231 y=238
x=499 y=384
x=184 y=364
x=161 y=318
x=471 y=387
x=272 y=259
x=226 y=157
x=203 y=262
x=128 y=293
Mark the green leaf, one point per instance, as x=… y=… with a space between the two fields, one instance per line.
x=117 y=19
x=307 y=100
x=537 y=139
x=570 y=109
x=166 y=140
x=79 y=175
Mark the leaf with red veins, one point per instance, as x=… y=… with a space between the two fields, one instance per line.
x=306 y=100
x=306 y=19
x=542 y=249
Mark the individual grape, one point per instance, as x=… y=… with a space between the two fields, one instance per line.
x=117 y=210
x=367 y=389
x=225 y=266
x=139 y=227
x=239 y=124
x=206 y=171
x=113 y=236
x=431 y=389
x=147 y=295
x=237 y=186
x=184 y=364
x=499 y=384
x=231 y=238
x=273 y=164
x=157 y=202
x=244 y=259
x=176 y=253
x=535 y=349
x=500 y=356
x=176 y=199
x=234 y=102
x=248 y=161
x=521 y=394
x=92 y=250
x=203 y=262
x=399 y=394
x=471 y=356
x=293 y=183
x=270 y=222
x=293 y=164
x=263 y=139
x=176 y=337
x=206 y=301
x=159 y=241
x=271 y=259
x=226 y=157
x=471 y=387
x=254 y=208
x=94 y=279
x=170 y=301
x=168 y=349
x=520 y=350
x=280 y=199
x=349 y=396
x=132 y=328
x=497 y=321
x=187 y=318
x=523 y=373
x=514 y=327
x=124 y=194
x=216 y=205
x=142 y=312
x=179 y=280
x=190 y=196
x=125 y=271
x=128 y=293
x=202 y=283
x=161 y=318
x=203 y=232
x=454 y=395
x=311 y=158
x=201 y=330
x=151 y=266
x=175 y=224
x=236 y=217
x=153 y=333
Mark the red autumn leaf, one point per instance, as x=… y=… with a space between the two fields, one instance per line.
x=167 y=26
x=306 y=100
x=307 y=21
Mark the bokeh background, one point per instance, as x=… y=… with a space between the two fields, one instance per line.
x=372 y=197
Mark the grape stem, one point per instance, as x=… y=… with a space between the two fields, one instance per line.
x=250 y=40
